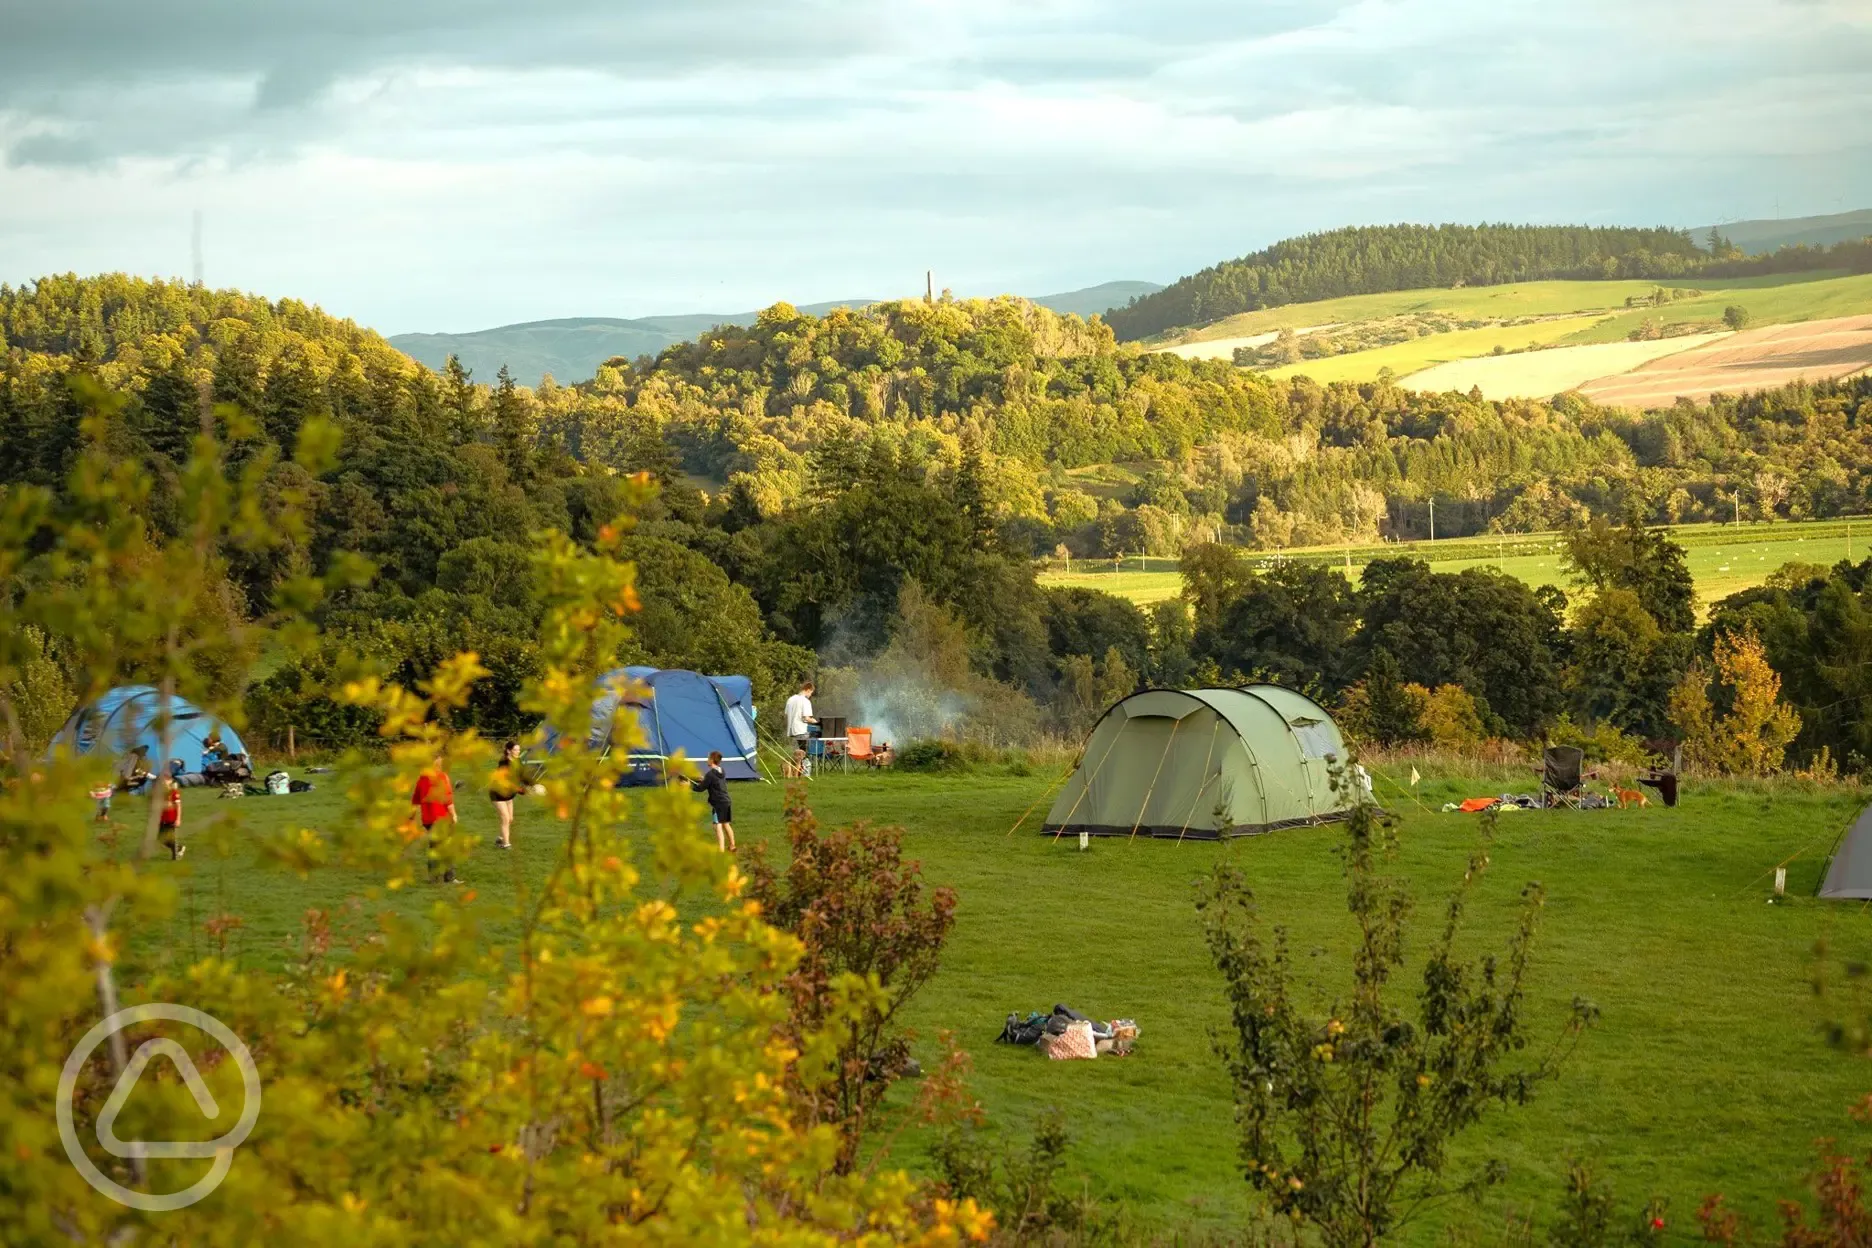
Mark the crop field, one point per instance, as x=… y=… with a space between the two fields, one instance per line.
x=1776 y=297
x=1706 y=1072
x=1756 y=359
x=1461 y=359
x=1723 y=559
x=1405 y=358
x=1541 y=374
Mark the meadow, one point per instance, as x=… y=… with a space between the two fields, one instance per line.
x=1723 y=558
x=1706 y=1073
x=1405 y=358
x=1594 y=314
x=1789 y=296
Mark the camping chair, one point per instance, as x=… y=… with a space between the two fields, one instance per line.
x=1563 y=780
x=858 y=746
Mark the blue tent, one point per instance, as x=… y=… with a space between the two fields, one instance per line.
x=682 y=711
x=130 y=715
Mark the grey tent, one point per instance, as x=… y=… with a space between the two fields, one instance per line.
x=1203 y=764
x=1849 y=875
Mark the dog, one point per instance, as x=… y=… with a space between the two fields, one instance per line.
x=1627 y=797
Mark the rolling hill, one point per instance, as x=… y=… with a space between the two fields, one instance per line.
x=1760 y=237
x=572 y=348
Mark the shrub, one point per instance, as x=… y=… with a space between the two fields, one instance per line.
x=1346 y=1119
x=1601 y=743
x=930 y=755
x=1735 y=316
x=872 y=936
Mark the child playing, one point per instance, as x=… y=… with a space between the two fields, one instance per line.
x=171 y=830
x=714 y=782
x=434 y=800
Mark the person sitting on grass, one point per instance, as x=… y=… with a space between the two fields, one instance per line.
x=170 y=832
x=434 y=800
x=714 y=782
x=134 y=769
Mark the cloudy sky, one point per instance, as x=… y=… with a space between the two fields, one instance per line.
x=453 y=164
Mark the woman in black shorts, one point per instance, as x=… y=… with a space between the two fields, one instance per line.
x=714 y=782
x=505 y=787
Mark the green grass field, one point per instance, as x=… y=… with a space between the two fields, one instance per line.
x=1602 y=317
x=1707 y=1072
x=1723 y=559
x=1404 y=358
x=1770 y=298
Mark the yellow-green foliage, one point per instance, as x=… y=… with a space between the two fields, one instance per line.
x=1748 y=739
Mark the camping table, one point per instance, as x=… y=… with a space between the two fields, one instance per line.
x=816 y=748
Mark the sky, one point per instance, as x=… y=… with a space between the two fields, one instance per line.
x=449 y=165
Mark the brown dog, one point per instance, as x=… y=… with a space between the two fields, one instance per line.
x=1628 y=797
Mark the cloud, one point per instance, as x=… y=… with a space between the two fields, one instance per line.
x=430 y=164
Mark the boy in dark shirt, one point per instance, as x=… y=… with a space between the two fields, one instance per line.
x=714 y=783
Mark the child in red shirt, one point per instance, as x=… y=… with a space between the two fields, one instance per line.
x=434 y=799
x=171 y=830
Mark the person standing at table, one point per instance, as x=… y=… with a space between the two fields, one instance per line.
x=799 y=717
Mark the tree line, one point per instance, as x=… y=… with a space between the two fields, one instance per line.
x=828 y=487
x=1372 y=259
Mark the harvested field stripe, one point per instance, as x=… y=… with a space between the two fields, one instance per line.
x=1542 y=374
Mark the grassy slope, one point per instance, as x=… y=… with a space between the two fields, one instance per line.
x=1420 y=353
x=1706 y=1073
x=1797 y=297
x=1722 y=559
x=1770 y=300
x=1554 y=298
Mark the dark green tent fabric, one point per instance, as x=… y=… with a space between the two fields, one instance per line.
x=1202 y=764
x=1849 y=875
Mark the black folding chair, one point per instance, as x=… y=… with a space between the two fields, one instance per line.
x=1563 y=778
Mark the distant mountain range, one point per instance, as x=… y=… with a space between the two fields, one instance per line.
x=1760 y=237
x=572 y=348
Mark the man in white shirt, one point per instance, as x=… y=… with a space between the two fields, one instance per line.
x=798 y=716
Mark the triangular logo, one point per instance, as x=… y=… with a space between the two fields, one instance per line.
x=120 y=1096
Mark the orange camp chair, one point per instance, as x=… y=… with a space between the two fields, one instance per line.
x=858 y=746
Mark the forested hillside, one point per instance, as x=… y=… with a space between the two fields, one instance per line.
x=872 y=487
x=1376 y=259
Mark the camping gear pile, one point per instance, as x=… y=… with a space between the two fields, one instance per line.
x=1204 y=764
x=1066 y=1034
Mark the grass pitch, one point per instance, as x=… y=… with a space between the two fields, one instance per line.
x=1707 y=1072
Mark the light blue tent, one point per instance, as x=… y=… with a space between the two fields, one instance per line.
x=131 y=715
x=682 y=711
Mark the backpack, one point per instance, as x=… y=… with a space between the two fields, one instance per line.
x=278 y=782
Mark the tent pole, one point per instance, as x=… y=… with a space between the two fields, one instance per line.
x=1045 y=793
x=1061 y=830
x=1205 y=784
x=1145 y=804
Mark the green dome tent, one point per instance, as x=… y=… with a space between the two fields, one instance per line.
x=1204 y=764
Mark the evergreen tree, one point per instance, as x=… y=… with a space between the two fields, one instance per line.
x=513 y=429
x=460 y=400
x=171 y=415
